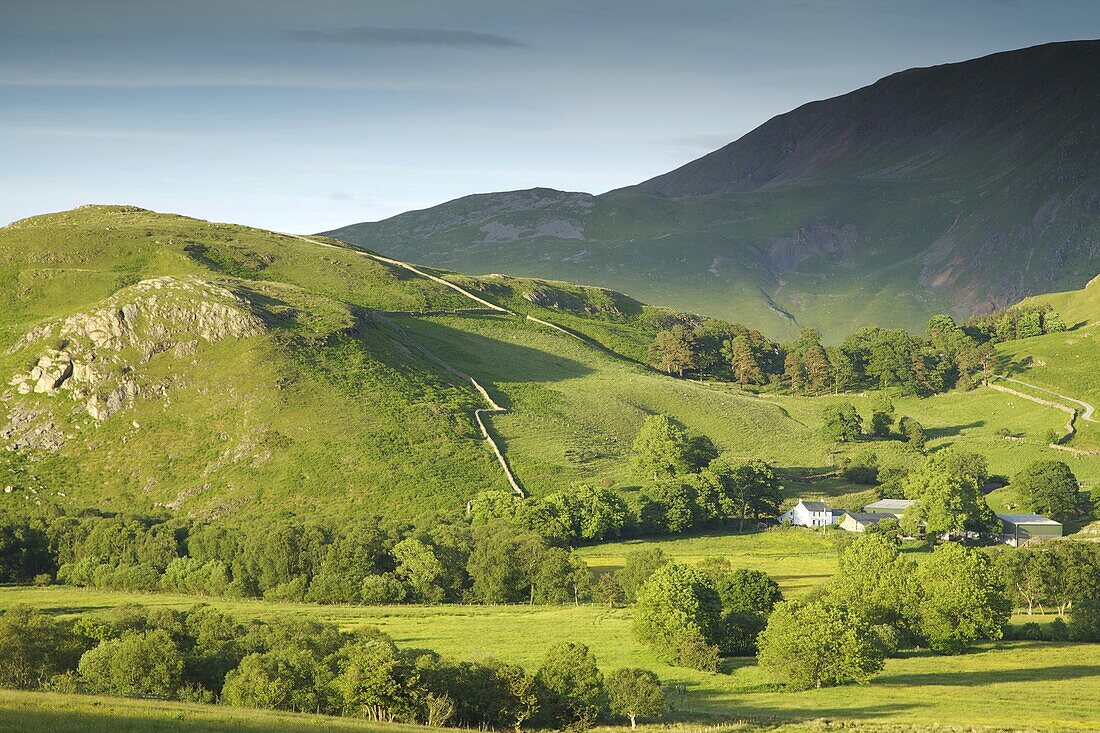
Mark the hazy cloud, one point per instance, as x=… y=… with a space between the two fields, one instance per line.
x=376 y=36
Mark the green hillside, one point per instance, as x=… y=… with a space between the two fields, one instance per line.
x=153 y=359
x=955 y=188
x=221 y=369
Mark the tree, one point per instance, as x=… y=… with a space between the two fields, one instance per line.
x=521 y=698
x=818 y=645
x=793 y=372
x=742 y=490
x=845 y=375
x=913 y=432
x=1053 y=323
x=875 y=581
x=374 y=682
x=1048 y=487
x=842 y=423
x=816 y=368
x=419 y=569
x=669 y=505
x=947 y=495
x=608 y=590
x=635 y=693
x=1026 y=574
x=503 y=563
x=140 y=663
x=673 y=351
x=677 y=602
x=882 y=418
x=744 y=589
x=1029 y=324
x=34 y=647
x=571 y=687
x=743 y=360
x=662 y=448
x=638 y=566
x=962 y=600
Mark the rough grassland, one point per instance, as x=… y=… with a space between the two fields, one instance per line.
x=42 y=711
x=987 y=687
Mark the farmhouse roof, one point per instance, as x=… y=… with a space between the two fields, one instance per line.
x=815 y=506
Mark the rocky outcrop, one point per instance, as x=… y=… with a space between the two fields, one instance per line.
x=95 y=357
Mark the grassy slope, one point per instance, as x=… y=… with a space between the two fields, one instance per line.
x=326 y=404
x=983 y=688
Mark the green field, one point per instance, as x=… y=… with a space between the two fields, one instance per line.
x=982 y=688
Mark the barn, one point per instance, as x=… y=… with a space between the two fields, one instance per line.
x=1019 y=529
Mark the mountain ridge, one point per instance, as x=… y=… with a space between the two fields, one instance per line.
x=957 y=188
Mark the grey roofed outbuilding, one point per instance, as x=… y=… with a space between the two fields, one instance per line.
x=866 y=517
x=889 y=505
x=1028 y=519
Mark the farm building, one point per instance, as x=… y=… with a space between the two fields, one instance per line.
x=860 y=521
x=1019 y=529
x=809 y=514
x=890 y=507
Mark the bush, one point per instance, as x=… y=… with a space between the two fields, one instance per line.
x=1030 y=631
x=147 y=664
x=571 y=687
x=381 y=590
x=292 y=590
x=740 y=630
x=1085 y=620
x=676 y=605
x=818 y=645
x=1058 y=631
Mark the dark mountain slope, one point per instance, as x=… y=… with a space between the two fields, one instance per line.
x=918 y=122
x=955 y=188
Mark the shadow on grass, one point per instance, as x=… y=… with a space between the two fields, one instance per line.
x=991 y=677
x=952 y=430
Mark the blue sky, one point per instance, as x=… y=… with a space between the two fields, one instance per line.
x=305 y=116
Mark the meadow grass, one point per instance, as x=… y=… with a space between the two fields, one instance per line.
x=51 y=712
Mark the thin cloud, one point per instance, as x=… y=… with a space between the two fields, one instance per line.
x=377 y=36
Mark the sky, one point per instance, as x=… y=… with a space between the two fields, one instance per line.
x=305 y=116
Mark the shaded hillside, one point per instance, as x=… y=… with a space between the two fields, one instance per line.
x=955 y=188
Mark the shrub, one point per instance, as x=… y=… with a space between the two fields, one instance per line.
x=818 y=645
x=677 y=604
x=380 y=590
x=570 y=687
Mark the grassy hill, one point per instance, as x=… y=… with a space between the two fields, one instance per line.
x=221 y=370
x=955 y=188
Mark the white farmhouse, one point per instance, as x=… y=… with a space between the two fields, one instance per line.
x=808 y=514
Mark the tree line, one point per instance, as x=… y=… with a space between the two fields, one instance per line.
x=946 y=356
x=364 y=561
x=203 y=655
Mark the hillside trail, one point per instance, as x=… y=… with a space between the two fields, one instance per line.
x=1087 y=409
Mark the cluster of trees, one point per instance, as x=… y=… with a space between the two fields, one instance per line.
x=692 y=616
x=1062 y=575
x=842 y=423
x=367 y=561
x=879 y=602
x=946 y=356
x=688 y=485
x=307 y=666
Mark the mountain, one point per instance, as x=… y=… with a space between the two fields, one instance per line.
x=958 y=188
